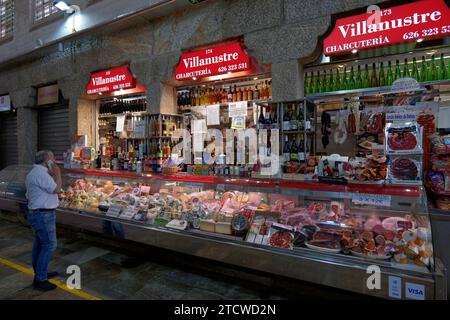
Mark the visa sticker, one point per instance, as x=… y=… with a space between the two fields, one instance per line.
x=415 y=291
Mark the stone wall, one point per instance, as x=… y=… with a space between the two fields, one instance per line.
x=281 y=33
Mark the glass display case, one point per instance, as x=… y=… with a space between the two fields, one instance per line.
x=299 y=229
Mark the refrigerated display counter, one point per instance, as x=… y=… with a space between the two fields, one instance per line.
x=333 y=235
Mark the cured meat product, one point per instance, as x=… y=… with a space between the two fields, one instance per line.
x=404 y=138
x=328 y=244
x=351 y=123
x=324 y=235
x=427 y=121
x=281 y=239
x=399 y=141
x=404 y=169
x=375 y=123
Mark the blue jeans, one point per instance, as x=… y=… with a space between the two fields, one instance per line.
x=44 y=230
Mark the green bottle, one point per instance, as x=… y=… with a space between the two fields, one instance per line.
x=306 y=84
x=382 y=76
x=337 y=82
x=359 y=80
x=432 y=71
x=366 y=80
x=324 y=84
x=330 y=86
x=415 y=70
x=311 y=83
x=390 y=75
x=351 y=81
x=374 y=76
x=406 y=73
x=423 y=70
x=442 y=72
x=344 y=84
x=448 y=70
x=397 y=74
x=317 y=83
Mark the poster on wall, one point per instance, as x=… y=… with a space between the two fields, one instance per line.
x=415 y=21
x=5 y=103
x=48 y=95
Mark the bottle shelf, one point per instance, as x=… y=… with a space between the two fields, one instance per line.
x=372 y=91
x=188 y=109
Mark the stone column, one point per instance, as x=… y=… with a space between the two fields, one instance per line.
x=27 y=124
x=287 y=81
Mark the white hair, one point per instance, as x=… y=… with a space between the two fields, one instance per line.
x=42 y=156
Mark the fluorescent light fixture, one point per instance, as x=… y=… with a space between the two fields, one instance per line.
x=64 y=6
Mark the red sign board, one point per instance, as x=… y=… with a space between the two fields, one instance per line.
x=111 y=80
x=424 y=19
x=223 y=59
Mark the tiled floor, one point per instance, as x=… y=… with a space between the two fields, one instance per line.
x=112 y=273
x=103 y=273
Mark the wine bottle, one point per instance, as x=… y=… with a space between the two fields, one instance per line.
x=330 y=86
x=337 y=82
x=382 y=76
x=306 y=84
x=300 y=117
x=423 y=70
x=366 y=80
x=406 y=73
x=397 y=74
x=374 y=77
x=293 y=122
x=301 y=150
x=448 y=69
x=323 y=84
x=261 y=119
x=442 y=72
x=359 y=80
x=432 y=71
x=286 y=119
x=415 y=70
x=317 y=83
x=268 y=119
x=294 y=150
x=351 y=81
x=286 y=150
x=344 y=83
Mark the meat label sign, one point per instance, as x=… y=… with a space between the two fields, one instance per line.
x=219 y=60
x=424 y=19
x=111 y=80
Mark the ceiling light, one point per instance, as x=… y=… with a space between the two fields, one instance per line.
x=419 y=40
x=194 y=78
x=354 y=51
x=255 y=78
x=431 y=52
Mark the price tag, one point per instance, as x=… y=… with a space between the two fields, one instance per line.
x=379 y=200
x=114 y=210
x=237 y=109
x=129 y=213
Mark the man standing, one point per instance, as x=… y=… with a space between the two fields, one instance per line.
x=42 y=195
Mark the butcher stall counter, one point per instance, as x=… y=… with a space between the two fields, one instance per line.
x=371 y=239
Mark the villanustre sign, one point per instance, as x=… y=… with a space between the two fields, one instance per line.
x=418 y=20
x=111 y=80
x=223 y=59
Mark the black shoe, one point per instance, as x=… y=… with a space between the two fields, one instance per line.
x=44 y=286
x=50 y=275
